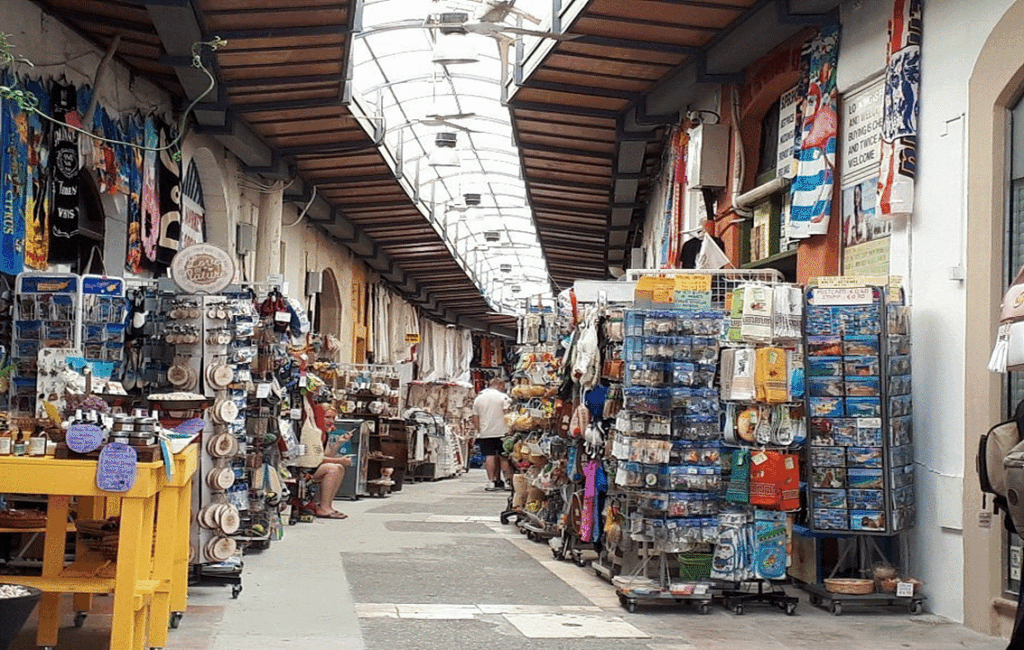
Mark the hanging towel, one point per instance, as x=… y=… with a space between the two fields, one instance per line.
x=757 y=313
x=899 y=110
x=771 y=376
x=811 y=191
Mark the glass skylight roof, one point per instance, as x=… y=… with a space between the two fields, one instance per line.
x=394 y=71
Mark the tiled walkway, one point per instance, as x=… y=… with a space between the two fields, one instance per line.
x=431 y=568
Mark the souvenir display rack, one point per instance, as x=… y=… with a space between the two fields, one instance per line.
x=860 y=459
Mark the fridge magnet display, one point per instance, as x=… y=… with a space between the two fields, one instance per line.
x=829 y=477
x=866 y=499
x=861 y=366
x=864 y=479
x=862 y=387
x=899 y=365
x=824 y=346
x=900 y=431
x=869 y=457
x=831 y=519
x=827 y=407
x=860 y=346
x=826 y=387
x=824 y=366
x=867 y=520
x=864 y=407
x=830 y=499
x=828 y=456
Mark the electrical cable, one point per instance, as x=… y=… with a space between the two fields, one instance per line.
x=304 y=210
x=27 y=101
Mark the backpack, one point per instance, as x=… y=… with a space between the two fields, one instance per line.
x=993 y=448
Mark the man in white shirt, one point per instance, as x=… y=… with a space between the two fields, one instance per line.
x=490 y=407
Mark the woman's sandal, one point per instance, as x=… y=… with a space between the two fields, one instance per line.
x=332 y=515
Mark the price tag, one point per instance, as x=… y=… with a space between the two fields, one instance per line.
x=117 y=468
x=295 y=414
x=984 y=520
x=904 y=589
x=789 y=462
x=759 y=458
x=282 y=317
x=262 y=391
x=83 y=438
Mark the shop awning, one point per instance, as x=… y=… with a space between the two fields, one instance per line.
x=283 y=105
x=589 y=112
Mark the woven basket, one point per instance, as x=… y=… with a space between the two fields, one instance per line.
x=850 y=586
x=695 y=566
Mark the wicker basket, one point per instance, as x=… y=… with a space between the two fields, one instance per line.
x=695 y=566
x=849 y=586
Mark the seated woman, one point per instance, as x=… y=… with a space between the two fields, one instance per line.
x=330 y=475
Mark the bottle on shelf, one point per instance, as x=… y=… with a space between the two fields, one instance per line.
x=6 y=442
x=37 y=443
x=19 y=446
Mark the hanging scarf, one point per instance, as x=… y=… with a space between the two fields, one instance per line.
x=169 y=175
x=142 y=238
x=811 y=191
x=37 y=233
x=899 y=111
x=14 y=181
x=65 y=161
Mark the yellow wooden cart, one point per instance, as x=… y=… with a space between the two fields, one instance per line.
x=149 y=580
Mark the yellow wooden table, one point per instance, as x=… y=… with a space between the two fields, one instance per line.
x=146 y=572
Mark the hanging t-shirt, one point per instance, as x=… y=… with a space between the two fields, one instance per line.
x=66 y=165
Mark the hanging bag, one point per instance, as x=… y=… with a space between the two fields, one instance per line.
x=311 y=438
x=1008 y=354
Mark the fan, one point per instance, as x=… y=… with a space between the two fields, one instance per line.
x=445 y=121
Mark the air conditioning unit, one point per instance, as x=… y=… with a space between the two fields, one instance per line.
x=314 y=282
x=708 y=156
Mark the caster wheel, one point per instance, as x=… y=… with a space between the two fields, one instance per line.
x=80 y=618
x=236 y=591
x=815 y=600
x=705 y=608
x=175 y=619
x=580 y=562
x=916 y=607
x=738 y=610
x=623 y=601
x=790 y=609
x=631 y=606
x=504 y=519
x=558 y=555
x=530 y=536
x=837 y=609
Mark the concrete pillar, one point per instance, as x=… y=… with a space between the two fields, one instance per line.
x=268 y=236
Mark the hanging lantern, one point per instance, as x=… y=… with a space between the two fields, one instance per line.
x=492 y=236
x=505 y=268
x=445 y=154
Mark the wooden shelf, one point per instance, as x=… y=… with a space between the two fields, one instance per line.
x=71 y=529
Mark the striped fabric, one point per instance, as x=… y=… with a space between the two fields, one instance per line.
x=900 y=109
x=811 y=190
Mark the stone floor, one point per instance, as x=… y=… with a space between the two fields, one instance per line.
x=432 y=568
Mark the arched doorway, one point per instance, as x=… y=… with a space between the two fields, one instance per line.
x=327 y=319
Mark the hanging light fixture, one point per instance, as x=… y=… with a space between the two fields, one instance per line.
x=492 y=235
x=472 y=198
x=453 y=49
x=444 y=155
x=505 y=268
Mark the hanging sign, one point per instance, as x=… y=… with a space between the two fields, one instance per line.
x=785 y=164
x=412 y=338
x=202 y=268
x=850 y=296
x=118 y=468
x=693 y=292
x=862 y=133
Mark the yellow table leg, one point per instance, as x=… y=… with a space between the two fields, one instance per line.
x=53 y=564
x=163 y=565
x=133 y=563
x=183 y=530
x=88 y=508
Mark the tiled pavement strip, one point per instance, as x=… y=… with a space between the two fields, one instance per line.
x=431 y=567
